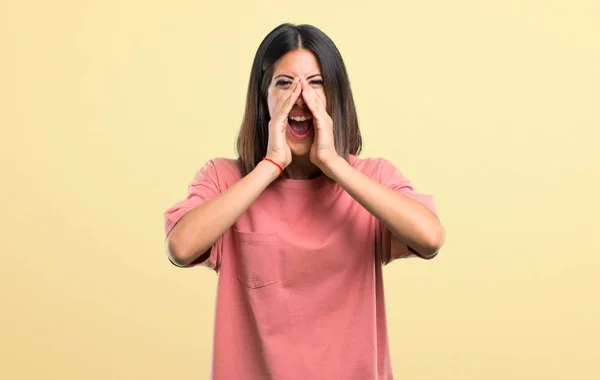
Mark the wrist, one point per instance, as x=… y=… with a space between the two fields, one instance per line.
x=276 y=160
x=332 y=167
x=271 y=168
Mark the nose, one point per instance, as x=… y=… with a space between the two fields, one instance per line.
x=300 y=101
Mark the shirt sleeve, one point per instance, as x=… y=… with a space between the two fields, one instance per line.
x=391 y=249
x=203 y=187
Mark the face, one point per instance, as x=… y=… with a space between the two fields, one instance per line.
x=300 y=134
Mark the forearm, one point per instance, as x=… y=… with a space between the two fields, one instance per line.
x=410 y=221
x=200 y=227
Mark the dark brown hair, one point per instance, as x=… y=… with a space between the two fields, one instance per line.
x=254 y=132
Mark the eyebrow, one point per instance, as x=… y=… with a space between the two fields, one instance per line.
x=292 y=78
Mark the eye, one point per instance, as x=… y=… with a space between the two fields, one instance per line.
x=283 y=83
x=318 y=82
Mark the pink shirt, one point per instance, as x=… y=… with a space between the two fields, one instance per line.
x=300 y=291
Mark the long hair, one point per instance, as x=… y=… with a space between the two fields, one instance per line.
x=254 y=132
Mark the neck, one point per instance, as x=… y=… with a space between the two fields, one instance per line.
x=302 y=168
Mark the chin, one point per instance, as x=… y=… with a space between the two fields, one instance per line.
x=300 y=149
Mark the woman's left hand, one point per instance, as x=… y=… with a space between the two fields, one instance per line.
x=322 y=152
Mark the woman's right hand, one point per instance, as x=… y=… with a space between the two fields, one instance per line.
x=278 y=148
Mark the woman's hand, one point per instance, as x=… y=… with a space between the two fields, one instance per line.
x=322 y=152
x=278 y=148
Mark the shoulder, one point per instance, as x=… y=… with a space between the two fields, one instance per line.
x=220 y=170
x=226 y=165
x=373 y=167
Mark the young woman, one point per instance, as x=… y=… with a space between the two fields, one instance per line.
x=298 y=227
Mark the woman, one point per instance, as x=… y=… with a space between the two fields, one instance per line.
x=298 y=227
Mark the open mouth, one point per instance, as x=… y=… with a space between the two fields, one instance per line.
x=300 y=126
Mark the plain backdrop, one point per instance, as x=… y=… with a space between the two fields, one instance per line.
x=108 y=108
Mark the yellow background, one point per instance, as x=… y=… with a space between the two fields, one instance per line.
x=108 y=108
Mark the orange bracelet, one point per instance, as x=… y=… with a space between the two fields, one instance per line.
x=276 y=164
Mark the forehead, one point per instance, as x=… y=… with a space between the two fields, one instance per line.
x=297 y=62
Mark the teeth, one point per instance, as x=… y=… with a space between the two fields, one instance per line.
x=300 y=118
